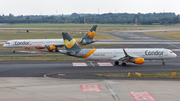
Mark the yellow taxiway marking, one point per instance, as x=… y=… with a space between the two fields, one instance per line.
x=92 y=64
x=112 y=92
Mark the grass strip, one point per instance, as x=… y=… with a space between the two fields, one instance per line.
x=143 y=75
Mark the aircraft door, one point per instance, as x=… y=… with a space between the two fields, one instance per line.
x=30 y=43
x=13 y=43
x=114 y=53
x=165 y=53
x=143 y=53
x=82 y=53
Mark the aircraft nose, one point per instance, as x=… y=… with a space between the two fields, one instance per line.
x=175 y=55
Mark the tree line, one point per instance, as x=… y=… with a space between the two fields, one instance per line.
x=108 y=18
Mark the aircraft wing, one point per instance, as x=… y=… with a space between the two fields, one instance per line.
x=128 y=58
x=125 y=58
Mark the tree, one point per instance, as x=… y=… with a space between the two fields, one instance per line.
x=75 y=15
x=176 y=20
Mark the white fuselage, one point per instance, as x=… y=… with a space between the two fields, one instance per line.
x=146 y=53
x=33 y=43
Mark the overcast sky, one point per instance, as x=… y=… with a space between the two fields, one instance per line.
x=49 y=7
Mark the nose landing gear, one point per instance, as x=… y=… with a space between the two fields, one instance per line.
x=13 y=50
x=163 y=62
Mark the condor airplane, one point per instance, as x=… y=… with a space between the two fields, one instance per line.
x=134 y=55
x=50 y=44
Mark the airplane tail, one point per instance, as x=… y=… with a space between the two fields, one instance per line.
x=88 y=38
x=70 y=45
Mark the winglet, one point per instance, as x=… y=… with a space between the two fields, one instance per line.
x=125 y=53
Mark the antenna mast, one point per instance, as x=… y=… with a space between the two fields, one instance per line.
x=85 y=25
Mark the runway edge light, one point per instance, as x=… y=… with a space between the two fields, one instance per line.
x=173 y=73
x=138 y=74
x=129 y=74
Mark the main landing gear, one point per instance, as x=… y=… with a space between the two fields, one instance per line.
x=123 y=64
x=56 y=50
x=117 y=63
x=163 y=62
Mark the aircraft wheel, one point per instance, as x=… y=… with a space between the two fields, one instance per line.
x=163 y=62
x=123 y=64
x=116 y=63
x=13 y=51
x=56 y=50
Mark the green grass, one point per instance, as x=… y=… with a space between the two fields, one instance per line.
x=70 y=25
x=53 y=31
x=11 y=34
x=143 y=75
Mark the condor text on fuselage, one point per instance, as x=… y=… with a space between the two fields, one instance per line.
x=22 y=43
x=150 y=53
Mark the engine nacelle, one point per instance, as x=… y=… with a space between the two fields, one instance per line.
x=39 y=47
x=50 y=48
x=137 y=60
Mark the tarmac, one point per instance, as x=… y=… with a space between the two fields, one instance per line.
x=51 y=89
x=63 y=80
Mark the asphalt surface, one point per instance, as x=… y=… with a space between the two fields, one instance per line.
x=139 y=34
x=135 y=36
x=65 y=69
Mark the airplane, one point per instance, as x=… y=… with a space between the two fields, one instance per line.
x=50 y=44
x=133 y=55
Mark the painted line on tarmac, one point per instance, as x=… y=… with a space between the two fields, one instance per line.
x=105 y=64
x=45 y=75
x=176 y=46
x=92 y=64
x=142 y=96
x=114 y=95
x=79 y=64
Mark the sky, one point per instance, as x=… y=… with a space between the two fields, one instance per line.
x=54 y=7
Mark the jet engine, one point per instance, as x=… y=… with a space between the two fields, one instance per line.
x=39 y=47
x=137 y=60
x=50 y=48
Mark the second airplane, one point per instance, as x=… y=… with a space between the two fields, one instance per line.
x=133 y=55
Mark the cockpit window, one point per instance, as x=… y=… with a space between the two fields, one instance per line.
x=171 y=52
x=7 y=42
